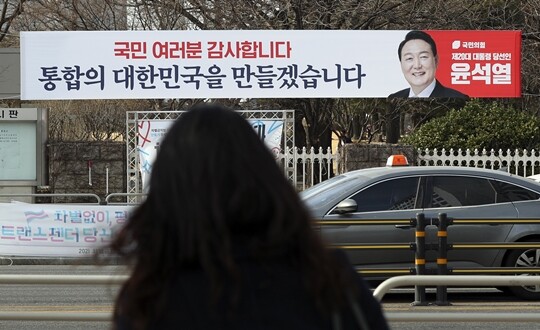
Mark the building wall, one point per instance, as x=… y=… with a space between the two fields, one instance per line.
x=356 y=156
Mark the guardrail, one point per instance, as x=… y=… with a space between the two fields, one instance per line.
x=450 y=280
x=136 y=197
x=131 y=198
x=98 y=200
x=379 y=293
x=420 y=247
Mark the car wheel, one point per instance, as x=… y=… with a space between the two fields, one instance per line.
x=529 y=258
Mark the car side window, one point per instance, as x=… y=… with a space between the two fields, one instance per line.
x=511 y=193
x=451 y=191
x=397 y=194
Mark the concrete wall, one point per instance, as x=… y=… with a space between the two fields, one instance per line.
x=356 y=156
x=69 y=164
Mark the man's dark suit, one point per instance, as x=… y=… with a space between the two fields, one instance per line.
x=439 y=91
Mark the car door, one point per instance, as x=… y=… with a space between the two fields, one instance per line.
x=390 y=199
x=467 y=197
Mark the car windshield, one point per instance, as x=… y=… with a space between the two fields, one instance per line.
x=320 y=193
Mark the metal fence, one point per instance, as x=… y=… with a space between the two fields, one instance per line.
x=307 y=166
x=519 y=161
x=135 y=118
x=315 y=165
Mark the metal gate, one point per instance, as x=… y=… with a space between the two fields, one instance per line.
x=134 y=179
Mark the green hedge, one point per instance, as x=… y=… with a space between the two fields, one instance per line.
x=479 y=125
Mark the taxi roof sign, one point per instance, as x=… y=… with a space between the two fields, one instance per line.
x=397 y=160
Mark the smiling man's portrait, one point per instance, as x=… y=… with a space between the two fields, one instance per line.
x=418 y=56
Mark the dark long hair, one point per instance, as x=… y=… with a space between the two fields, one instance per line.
x=214 y=185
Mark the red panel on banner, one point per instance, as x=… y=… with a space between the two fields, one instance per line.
x=480 y=63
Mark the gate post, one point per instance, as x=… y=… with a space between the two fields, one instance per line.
x=442 y=260
x=420 y=259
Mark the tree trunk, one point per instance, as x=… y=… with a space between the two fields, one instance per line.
x=392 y=123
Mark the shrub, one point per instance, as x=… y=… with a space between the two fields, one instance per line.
x=479 y=125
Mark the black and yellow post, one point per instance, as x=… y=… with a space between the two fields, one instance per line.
x=420 y=259
x=442 y=258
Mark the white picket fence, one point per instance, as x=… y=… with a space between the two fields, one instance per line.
x=307 y=166
x=519 y=161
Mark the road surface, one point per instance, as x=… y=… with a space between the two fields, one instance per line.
x=94 y=298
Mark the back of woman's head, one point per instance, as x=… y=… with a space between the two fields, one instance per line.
x=215 y=184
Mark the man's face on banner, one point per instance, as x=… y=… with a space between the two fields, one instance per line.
x=418 y=64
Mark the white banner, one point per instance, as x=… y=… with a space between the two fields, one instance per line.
x=58 y=230
x=270 y=131
x=149 y=136
x=150 y=133
x=209 y=64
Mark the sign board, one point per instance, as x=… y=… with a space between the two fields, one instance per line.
x=23 y=135
x=256 y=64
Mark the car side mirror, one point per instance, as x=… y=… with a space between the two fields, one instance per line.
x=346 y=206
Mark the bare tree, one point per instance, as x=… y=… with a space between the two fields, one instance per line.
x=90 y=120
x=357 y=120
x=320 y=115
x=74 y=15
x=9 y=11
